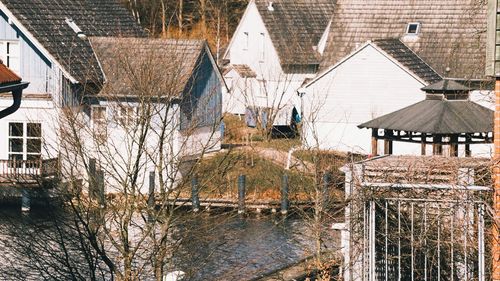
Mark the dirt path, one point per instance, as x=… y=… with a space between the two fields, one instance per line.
x=281 y=158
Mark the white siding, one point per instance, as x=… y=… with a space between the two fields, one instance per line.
x=275 y=88
x=365 y=86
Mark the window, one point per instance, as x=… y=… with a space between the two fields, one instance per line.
x=9 y=53
x=413 y=28
x=262 y=46
x=25 y=144
x=126 y=115
x=99 y=123
x=247 y=40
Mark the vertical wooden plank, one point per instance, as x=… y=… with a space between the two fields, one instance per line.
x=374 y=141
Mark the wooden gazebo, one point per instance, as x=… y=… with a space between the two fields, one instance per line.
x=445 y=117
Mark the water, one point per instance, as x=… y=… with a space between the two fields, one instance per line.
x=213 y=247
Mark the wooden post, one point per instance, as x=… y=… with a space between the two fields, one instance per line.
x=454 y=146
x=284 y=195
x=327 y=179
x=374 y=141
x=25 y=200
x=92 y=178
x=423 y=145
x=151 y=191
x=496 y=198
x=437 y=147
x=241 y=194
x=101 y=193
x=468 y=152
x=388 y=142
x=195 y=195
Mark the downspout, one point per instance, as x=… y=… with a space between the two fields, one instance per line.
x=17 y=96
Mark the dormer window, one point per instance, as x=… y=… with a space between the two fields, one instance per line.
x=413 y=28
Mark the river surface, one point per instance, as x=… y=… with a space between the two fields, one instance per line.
x=214 y=247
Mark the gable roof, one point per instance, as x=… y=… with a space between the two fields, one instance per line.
x=395 y=51
x=404 y=55
x=296 y=27
x=158 y=67
x=452 y=33
x=46 y=21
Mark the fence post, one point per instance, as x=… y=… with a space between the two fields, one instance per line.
x=195 y=196
x=25 y=200
x=327 y=179
x=151 y=192
x=101 y=195
x=92 y=177
x=241 y=194
x=284 y=195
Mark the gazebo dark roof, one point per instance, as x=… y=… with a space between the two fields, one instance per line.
x=437 y=117
x=446 y=85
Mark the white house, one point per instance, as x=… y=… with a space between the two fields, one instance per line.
x=62 y=54
x=281 y=43
x=377 y=58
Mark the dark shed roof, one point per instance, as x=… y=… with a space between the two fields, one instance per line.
x=452 y=33
x=446 y=85
x=46 y=20
x=399 y=51
x=296 y=27
x=437 y=117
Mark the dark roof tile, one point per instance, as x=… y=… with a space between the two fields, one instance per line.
x=46 y=20
x=452 y=34
x=296 y=27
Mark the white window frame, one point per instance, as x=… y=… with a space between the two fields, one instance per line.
x=126 y=115
x=417 y=31
x=99 y=123
x=10 y=51
x=25 y=138
x=246 y=38
x=263 y=46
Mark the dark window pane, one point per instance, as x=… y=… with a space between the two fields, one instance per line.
x=15 y=145
x=33 y=161
x=34 y=130
x=16 y=129
x=34 y=145
x=17 y=158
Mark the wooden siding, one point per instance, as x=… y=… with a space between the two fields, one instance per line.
x=363 y=87
x=34 y=68
x=202 y=99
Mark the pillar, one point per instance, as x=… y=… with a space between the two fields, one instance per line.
x=437 y=147
x=495 y=247
x=454 y=146
x=284 y=195
x=241 y=194
x=195 y=195
x=374 y=141
x=25 y=200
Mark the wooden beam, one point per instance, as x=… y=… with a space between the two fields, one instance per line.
x=374 y=142
x=388 y=147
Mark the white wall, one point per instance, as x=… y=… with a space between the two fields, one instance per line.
x=276 y=88
x=365 y=86
x=32 y=111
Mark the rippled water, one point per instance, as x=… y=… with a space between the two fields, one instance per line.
x=215 y=246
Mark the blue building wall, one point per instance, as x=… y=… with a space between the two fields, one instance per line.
x=34 y=67
x=202 y=99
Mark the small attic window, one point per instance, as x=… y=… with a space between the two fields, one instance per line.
x=413 y=28
x=75 y=27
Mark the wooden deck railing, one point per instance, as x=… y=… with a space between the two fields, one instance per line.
x=12 y=169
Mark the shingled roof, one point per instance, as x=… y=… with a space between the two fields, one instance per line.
x=404 y=55
x=135 y=66
x=437 y=117
x=47 y=21
x=452 y=33
x=296 y=27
